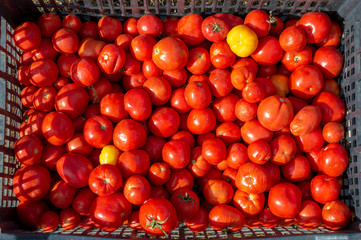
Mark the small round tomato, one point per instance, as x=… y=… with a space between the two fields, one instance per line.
x=72 y=100
x=141 y=47
x=249 y=204
x=128 y=135
x=43 y=72
x=329 y=60
x=27 y=36
x=214 y=29
x=179 y=178
x=283 y=149
x=190 y=29
x=228 y=132
x=44 y=99
x=84 y=72
x=324 y=188
x=293 y=39
x=164 y=122
x=27 y=95
x=130 y=27
x=245 y=111
x=134 y=162
x=170 y=54
x=333 y=159
x=199 y=222
x=214 y=150
x=186 y=203
x=150 y=25
x=240 y=76
x=252 y=131
x=98 y=131
x=252 y=178
x=292 y=60
x=259 y=22
x=158 y=89
x=198 y=61
x=200 y=121
x=333 y=132
x=83 y=200
x=306 y=120
x=198 y=166
x=48 y=221
x=105 y=179
x=306 y=81
x=221 y=55
x=198 y=95
x=336 y=215
x=72 y=21
x=297 y=169
x=109 y=28
x=317 y=26
x=111 y=59
x=137 y=189
x=236 y=155
x=69 y=219
x=159 y=173
x=217 y=191
x=65 y=41
x=112 y=106
x=138 y=104
x=242 y=40
x=224 y=217
x=57 y=128
x=268 y=51
x=253 y=92
x=332 y=107
x=284 y=200
x=224 y=108
x=259 y=152
x=177 y=154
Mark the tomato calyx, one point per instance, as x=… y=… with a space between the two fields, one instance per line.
x=296 y=59
x=96 y=98
x=153 y=223
x=272 y=20
x=187 y=199
x=215 y=27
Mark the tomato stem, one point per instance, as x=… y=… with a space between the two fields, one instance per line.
x=157 y=224
x=215 y=27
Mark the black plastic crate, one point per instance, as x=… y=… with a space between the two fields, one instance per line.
x=13 y=12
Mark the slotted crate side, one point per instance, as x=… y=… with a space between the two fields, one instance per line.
x=16 y=11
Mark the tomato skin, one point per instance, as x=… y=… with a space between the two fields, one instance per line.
x=98 y=131
x=178 y=101
x=170 y=54
x=64 y=64
x=99 y=89
x=43 y=72
x=29 y=213
x=164 y=122
x=26 y=58
x=48 y=24
x=161 y=214
x=134 y=162
x=186 y=136
x=109 y=28
x=133 y=221
x=329 y=60
x=198 y=61
x=109 y=212
x=242 y=40
x=221 y=55
x=130 y=27
x=150 y=25
x=228 y=132
x=218 y=191
x=45 y=50
x=268 y=51
x=159 y=173
x=283 y=149
x=317 y=26
x=266 y=71
x=105 y=179
x=159 y=90
x=179 y=178
x=111 y=59
x=137 y=189
x=333 y=132
x=23 y=75
x=50 y=155
x=259 y=152
x=71 y=21
x=297 y=169
x=177 y=154
x=44 y=99
x=252 y=178
x=112 y=106
x=198 y=166
x=253 y=130
x=129 y=134
x=292 y=60
x=240 y=77
x=324 y=188
x=123 y=41
x=245 y=111
x=83 y=201
x=90 y=48
x=199 y=222
x=336 y=215
x=200 y=121
x=333 y=159
x=248 y=204
x=310 y=141
x=28 y=150
x=259 y=22
x=88 y=29
x=186 y=203
x=333 y=38
x=77 y=144
x=170 y=27
x=332 y=108
x=293 y=39
x=190 y=29
x=274 y=172
x=214 y=29
x=31 y=183
x=224 y=217
x=141 y=47
x=253 y=92
x=224 y=108
x=65 y=41
x=214 y=150
x=27 y=36
x=138 y=104
x=153 y=146
x=236 y=155
x=306 y=120
x=48 y=221
x=268 y=219
x=60 y=134
x=306 y=81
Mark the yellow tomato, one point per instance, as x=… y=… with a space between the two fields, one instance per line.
x=242 y=40
x=109 y=155
x=280 y=82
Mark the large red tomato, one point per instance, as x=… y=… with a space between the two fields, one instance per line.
x=44 y=99
x=200 y=121
x=164 y=122
x=296 y=170
x=29 y=213
x=306 y=120
x=43 y=72
x=83 y=201
x=336 y=215
x=236 y=155
x=45 y=50
x=198 y=95
x=309 y=216
x=310 y=141
x=179 y=178
x=159 y=90
x=324 y=188
x=159 y=173
x=141 y=47
x=61 y=194
x=134 y=162
x=333 y=159
x=217 y=191
x=253 y=130
x=306 y=81
x=31 y=183
x=268 y=52
x=229 y=133
x=129 y=134
x=292 y=60
x=138 y=104
x=177 y=154
x=48 y=24
x=259 y=22
x=170 y=54
x=105 y=179
x=317 y=26
x=283 y=149
x=27 y=36
x=109 y=28
x=28 y=150
x=275 y=112
x=293 y=39
x=186 y=203
x=111 y=59
x=84 y=72
x=329 y=60
x=57 y=128
x=198 y=166
x=199 y=61
x=224 y=217
x=190 y=29
x=150 y=25
x=221 y=55
x=158 y=217
x=219 y=82
x=65 y=41
x=332 y=107
x=214 y=150
x=112 y=106
x=98 y=131
x=284 y=200
x=252 y=178
x=137 y=189
x=249 y=204
x=199 y=222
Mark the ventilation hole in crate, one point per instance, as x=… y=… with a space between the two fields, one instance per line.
x=323 y=4
x=352 y=60
x=141 y=12
x=187 y=10
x=187 y=2
x=353 y=132
x=298 y=11
x=279 y=3
x=218 y=10
x=352 y=71
x=351 y=181
x=266 y=3
x=208 y=10
x=353 y=96
x=140 y=3
x=255 y=3
x=353 y=107
x=348 y=63
x=152 y=10
x=352 y=49
x=313 y=4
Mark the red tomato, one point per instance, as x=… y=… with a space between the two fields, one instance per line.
x=150 y=25
x=190 y=29
x=283 y=149
x=332 y=107
x=336 y=215
x=333 y=38
x=214 y=150
x=130 y=27
x=141 y=47
x=72 y=100
x=228 y=132
x=306 y=120
x=268 y=52
x=64 y=63
x=105 y=179
x=214 y=29
x=198 y=95
x=43 y=72
x=333 y=159
x=89 y=29
x=313 y=158
x=185 y=136
x=90 y=48
x=28 y=150
x=292 y=60
x=218 y=191
x=138 y=104
x=297 y=103
x=186 y=203
x=111 y=59
x=268 y=219
x=27 y=36
x=29 y=213
x=178 y=102
x=277 y=25
x=306 y=81
x=200 y=121
x=91 y=110
x=109 y=28
x=57 y=128
x=150 y=69
x=159 y=173
x=177 y=154
x=259 y=152
x=236 y=155
x=158 y=217
x=77 y=144
x=159 y=192
x=266 y=71
x=293 y=39
x=153 y=146
x=83 y=200
x=86 y=222
x=310 y=141
x=240 y=77
x=44 y=99
x=176 y=78
x=199 y=222
x=317 y=26
x=252 y=178
x=297 y=169
x=274 y=172
x=253 y=92
x=137 y=189
x=164 y=122
x=170 y=27
x=98 y=131
x=245 y=111
x=252 y=131
x=324 y=188
x=44 y=50
x=134 y=162
x=224 y=108
x=158 y=89
x=170 y=54
x=31 y=183
x=112 y=106
x=131 y=65
x=26 y=57
x=123 y=41
x=99 y=89
x=23 y=75
x=198 y=166
x=109 y=212
x=61 y=82
x=224 y=217
x=333 y=132
x=48 y=221
x=48 y=24
x=249 y=204
x=221 y=55
x=259 y=22
x=230 y=19
x=129 y=134
x=305 y=188
x=329 y=60
x=72 y=21
x=65 y=41
x=50 y=155
x=133 y=221
x=179 y=178
x=220 y=82
x=84 y=72
x=332 y=86
x=199 y=60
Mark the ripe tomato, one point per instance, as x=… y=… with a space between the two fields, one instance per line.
x=48 y=24
x=214 y=29
x=198 y=166
x=26 y=58
x=221 y=55
x=105 y=179
x=27 y=36
x=28 y=150
x=43 y=72
x=333 y=159
x=111 y=59
x=170 y=27
x=236 y=155
x=178 y=102
x=253 y=92
x=44 y=50
x=200 y=121
x=31 y=183
x=228 y=132
x=177 y=154
x=89 y=29
x=57 y=128
x=324 y=188
x=176 y=78
x=128 y=135
x=333 y=132
x=99 y=89
x=259 y=22
x=164 y=122
x=329 y=60
x=130 y=27
x=293 y=39
x=224 y=217
x=292 y=60
x=109 y=28
x=268 y=219
x=306 y=120
x=50 y=155
x=332 y=86
x=159 y=173
x=190 y=29
x=240 y=76
x=112 y=106
x=310 y=141
x=199 y=222
x=245 y=111
x=214 y=150
x=23 y=75
x=78 y=144
x=134 y=162
x=29 y=213
x=109 y=212
x=296 y=170
x=249 y=204
x=198 y=95
x=274 y=172
x=283 y=149
x=306 y=81
x=153 y=146
x=333 y=38
x=252 y=178
x=186 y=203
x=133 y=221
x=170 y=54
x=123 y=41
x=158 y=89
x=158 y=217
x=72 y=21
x=138 y=104
x=64 y=63
x=242 y=40
x=98 y=131
x=61 y=194
x=277 y=25
x=218 y=191
x=90 y=48
x=313 y=158
x=48 y=221
x=141 y=47
x=150 y=25
x=185 y=136
x=297 y=103
x=332 y=108
x=224 y=108
x=268 y=51
x=317 y=26
x=44 y=99
x=137 y=189
x=252 y=131
x=259 y=152
x=150 y=69
x=198 y=61
x=83 y=201
x=280 y=83
x=179 y=178
x=65 y=41
x=336 y=215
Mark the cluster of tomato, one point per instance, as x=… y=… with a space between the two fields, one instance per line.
x=154 y=122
